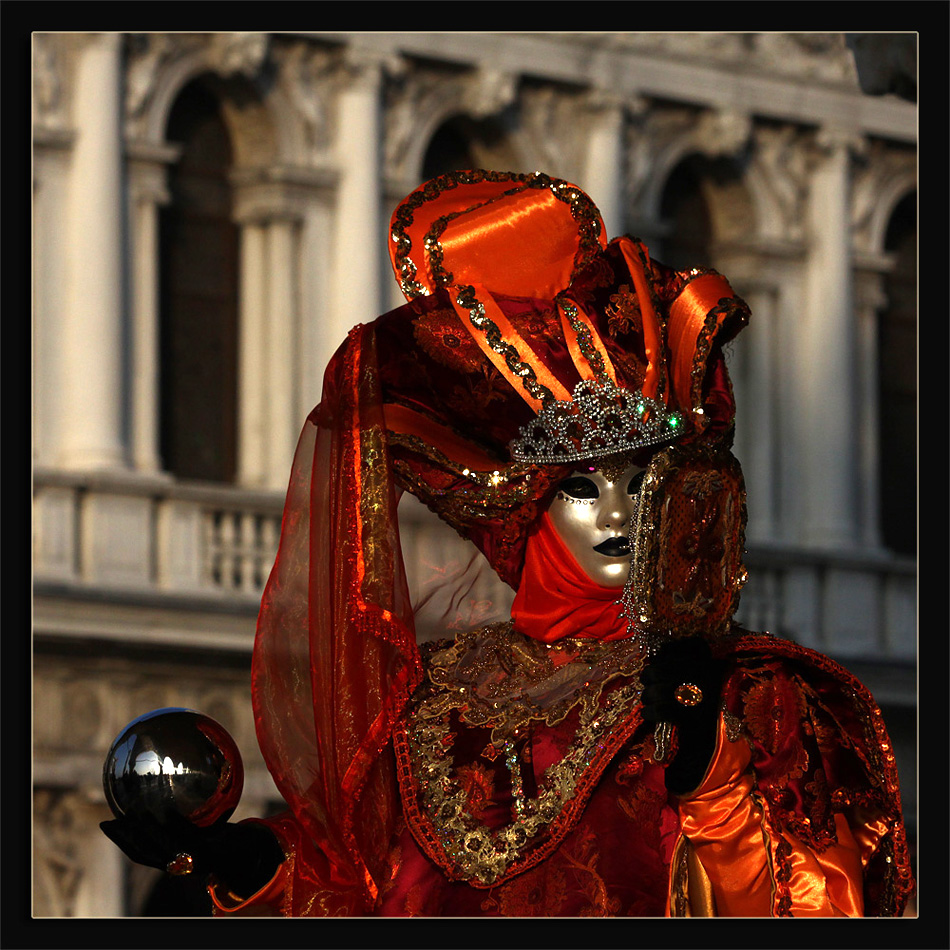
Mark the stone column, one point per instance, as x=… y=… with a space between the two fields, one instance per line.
x=359 y=236
x=604 y=174
x=826 y=342
x=754 y=387
x=251 y=358
x=270 y=213
x=319 y=339
x=92 y=404
x=282 y=340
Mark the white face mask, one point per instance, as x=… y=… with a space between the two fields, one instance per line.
x=592 y=516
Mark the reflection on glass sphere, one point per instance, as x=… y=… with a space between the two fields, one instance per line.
x=173 y=760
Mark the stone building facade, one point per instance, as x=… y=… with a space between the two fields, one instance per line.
x=209 y=219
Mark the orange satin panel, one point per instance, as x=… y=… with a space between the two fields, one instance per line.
x=829 y=884
x=652 y=340
x=448 y=202
x=685 y=328
x=510 y=336
x=526 y=241
x=868 y=836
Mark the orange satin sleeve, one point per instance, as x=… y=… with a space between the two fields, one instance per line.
x=753 y=869
x=722 y=821
x=827 y=883
x=299 y=888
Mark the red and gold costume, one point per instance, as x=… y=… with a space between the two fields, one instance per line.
x=508 y=770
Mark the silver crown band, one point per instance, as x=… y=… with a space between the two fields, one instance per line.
x=600 y=419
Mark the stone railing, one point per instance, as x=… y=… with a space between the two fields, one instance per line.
x=158 y=536
x=849 y=605
x=153 y=535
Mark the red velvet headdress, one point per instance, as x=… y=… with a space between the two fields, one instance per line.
x=515 y=300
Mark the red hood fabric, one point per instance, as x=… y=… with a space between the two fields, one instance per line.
x=557 y=599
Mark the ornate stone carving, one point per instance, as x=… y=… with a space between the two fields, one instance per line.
x=146 y=54
x=238 y=53
x=306 y=75
x=549 y=119
x=47 y=81
x=722 y=132
x=780 y=163
x=881 y=180
x=155 y=60
x=409 y=101
x=57 y=854
x=488 y=91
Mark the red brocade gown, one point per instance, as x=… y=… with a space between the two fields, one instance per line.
x=527 y=785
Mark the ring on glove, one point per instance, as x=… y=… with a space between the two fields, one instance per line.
x=688 y=695
x=181 y=864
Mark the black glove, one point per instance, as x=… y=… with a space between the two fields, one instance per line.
x=686 y=662
x=243 y=857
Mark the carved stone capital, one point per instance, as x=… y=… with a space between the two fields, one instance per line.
x=49 y=106
x=364 y=66
x=886 y=175
x=832 y=140
x=268 y=194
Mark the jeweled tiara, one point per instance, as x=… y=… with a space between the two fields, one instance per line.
x=600 y=419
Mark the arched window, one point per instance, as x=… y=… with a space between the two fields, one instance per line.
x=448 y=151
x=685 y=215
x=897 y=382
x=199 y=297
x=462 y=142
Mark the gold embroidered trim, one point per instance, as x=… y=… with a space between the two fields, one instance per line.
x=536 y=684
x=524 y=371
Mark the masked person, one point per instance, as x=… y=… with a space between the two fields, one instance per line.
x=618 y=746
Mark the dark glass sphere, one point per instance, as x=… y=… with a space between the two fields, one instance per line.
x=173 y=760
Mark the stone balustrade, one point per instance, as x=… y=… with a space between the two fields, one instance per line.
x=156 y=536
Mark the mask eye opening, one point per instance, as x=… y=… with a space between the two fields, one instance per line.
x=636 y=483
x=577 y=486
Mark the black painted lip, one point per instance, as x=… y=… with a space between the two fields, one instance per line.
x=613 y=547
